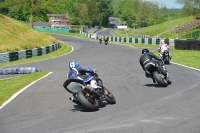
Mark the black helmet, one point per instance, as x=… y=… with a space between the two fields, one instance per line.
x=145 y=51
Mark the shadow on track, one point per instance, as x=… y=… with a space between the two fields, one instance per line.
x=153 y=85
x=82 y=109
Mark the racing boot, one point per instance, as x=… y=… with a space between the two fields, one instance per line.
x=168 y=79
x=73 y=99
x=154 y=81
x=147 y=75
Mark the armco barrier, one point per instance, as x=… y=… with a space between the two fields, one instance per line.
x=187 y=44
x=23 y=54
x=144 y=40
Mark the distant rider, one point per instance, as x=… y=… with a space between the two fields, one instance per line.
x=148 y=57
x=100 y=38
x=106 y=39
x=162 y=47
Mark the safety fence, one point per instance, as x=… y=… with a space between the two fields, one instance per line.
x=187 y=44
x=132 y=40
x=51 y=29
x=23 y=54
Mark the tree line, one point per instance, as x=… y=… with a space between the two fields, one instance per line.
x=134 y=13
x=81 y=12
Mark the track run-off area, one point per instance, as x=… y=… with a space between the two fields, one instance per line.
x=141 y=106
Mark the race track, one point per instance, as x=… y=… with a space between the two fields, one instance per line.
x=141 y=107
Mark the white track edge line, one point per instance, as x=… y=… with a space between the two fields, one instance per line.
x=17 y=93
x=186 y=66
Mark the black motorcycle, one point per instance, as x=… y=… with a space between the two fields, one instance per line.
x=157 y=71
x=166 y=57
x=106 y=41
x=90 y=92
x=100 y=41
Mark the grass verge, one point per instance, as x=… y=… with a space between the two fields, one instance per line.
x=7 y=89
x=189 y=58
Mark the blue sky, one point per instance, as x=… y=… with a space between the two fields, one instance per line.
x=168 y=3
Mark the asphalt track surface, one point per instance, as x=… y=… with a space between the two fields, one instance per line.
x=107 y=31
x=141 y=107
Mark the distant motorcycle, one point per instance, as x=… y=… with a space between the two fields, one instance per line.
x=90 y=92
x=166 y=57
x=106 y=41
x=100 y=41
x=159 y=75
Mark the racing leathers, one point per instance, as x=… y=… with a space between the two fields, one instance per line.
x=150 y=57
x=80 y=73
x=106 y=39
x=100 y=38
x=162 y=48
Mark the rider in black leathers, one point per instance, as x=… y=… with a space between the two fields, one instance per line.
x=147 y=57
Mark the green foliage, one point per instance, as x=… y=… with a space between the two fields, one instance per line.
x=106 y=10
x=82 y=12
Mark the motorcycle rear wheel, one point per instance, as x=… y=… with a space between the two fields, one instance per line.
x=167 y=60
x=92 y=106
x=162 y=82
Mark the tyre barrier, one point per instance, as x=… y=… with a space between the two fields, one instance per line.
x=23 y=54
x=133 y=40
x=18 y=70
x=187 y=44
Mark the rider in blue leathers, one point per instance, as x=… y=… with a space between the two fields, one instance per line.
x=79 y=72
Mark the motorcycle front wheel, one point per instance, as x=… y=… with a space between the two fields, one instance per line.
x=109 y=97
x=161 y=81
x=87 y=102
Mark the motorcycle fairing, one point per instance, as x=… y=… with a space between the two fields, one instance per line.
x=73 y=85
x=83 y=69
x=150 y=67
x=86 y=78
x=166 y=53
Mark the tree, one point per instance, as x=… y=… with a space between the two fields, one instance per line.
x=193 y=6
x=3 y=9
x=21 y=11
x=82 y=12
x=106 y=10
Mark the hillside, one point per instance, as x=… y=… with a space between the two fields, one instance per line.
x=15 y=36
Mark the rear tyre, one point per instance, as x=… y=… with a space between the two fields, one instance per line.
x=85 y=102
x=167 y=60
x=161 y=81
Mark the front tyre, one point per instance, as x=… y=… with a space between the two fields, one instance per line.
x=161 y=81
x=109 y=97
x=90 y=104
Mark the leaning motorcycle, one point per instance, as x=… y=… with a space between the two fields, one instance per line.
x=158 y=74
x=106 y=41
x=90 y=91
x=166 y=57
